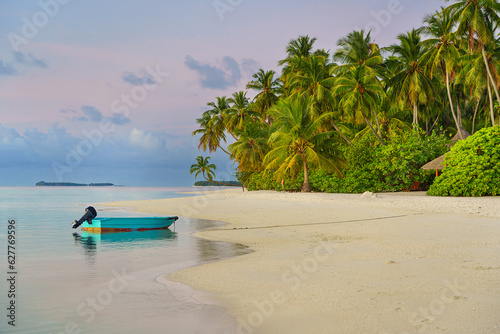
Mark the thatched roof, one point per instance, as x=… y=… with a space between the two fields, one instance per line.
x=456 y=138
x=437 y=163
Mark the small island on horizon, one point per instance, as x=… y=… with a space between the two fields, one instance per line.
x=71 y=184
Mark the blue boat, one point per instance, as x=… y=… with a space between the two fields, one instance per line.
x=127 y=224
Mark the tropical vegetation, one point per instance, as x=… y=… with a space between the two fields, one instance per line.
x=365 y=117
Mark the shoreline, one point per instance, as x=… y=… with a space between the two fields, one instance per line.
x=347 y=263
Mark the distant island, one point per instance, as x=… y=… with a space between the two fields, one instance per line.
x=217 y=184
x=70 y=184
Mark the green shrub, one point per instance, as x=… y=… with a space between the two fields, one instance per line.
x=391 y=167
x=471 y=167
x=370 y=167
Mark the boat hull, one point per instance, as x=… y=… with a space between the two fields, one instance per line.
x=128 y=224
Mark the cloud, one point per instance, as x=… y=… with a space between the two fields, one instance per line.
x=147 y=140
x=7 y=69
x=226 y=75
x=119 y=119
x=20 y=58
x=136 y=80
x=140 y=157
x=29 y=59
x=93 y=115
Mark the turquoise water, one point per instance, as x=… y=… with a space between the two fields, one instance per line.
x=69 y=281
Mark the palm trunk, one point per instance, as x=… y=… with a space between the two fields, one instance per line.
x=341 y=134
x=306 y=186
x=415 y=114
x=475 y=113
x=378 y=123
x=493 y=83
x=433 y=125
x=373 y=130
x=451 y=105
x=223 y=150
x=459 y=113
x=492 y=113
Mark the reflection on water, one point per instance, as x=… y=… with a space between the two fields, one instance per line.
x=133 y=239
x=209 y=251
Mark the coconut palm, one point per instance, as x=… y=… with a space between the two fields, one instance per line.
x=357 y=49
x=411 y=82
x=301 y=47
x=443 y=53
x=298 y=142
x=478 y=20
x=268 y=88
x=251 y=147
x=212 y=127
x=359 y=91
x=313 y=79
x=203 y=166
x=298 y=50
x=238 y=111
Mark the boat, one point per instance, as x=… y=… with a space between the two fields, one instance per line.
x=127 y=224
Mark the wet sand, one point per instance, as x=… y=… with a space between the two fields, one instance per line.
x=342 y=263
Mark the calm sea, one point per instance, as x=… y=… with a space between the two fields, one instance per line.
x=68 y=281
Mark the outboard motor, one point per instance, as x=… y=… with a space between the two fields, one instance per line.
x=90 y=213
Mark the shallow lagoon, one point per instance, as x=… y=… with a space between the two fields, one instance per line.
x=70 y=281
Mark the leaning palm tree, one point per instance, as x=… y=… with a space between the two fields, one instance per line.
x=204 y=167
x=473 y=75
x=298 y=143
x=478 y=21
x=443 y=53
x=212 y=127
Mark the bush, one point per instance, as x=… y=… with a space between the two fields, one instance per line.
x=471 y=166
x=393 y=167
x=370 y=167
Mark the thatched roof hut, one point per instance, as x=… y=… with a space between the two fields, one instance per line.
x=438 y=163
x=457 y=137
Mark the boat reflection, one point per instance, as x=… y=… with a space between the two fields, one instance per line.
x=92 y=242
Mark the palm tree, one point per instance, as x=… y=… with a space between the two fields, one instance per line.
x=301 y=47
x=473 y=75
x=268 y=88
x=410 y=82
x=313 y=79
x=298 y=142
x=212 y=127
x=298 y=50
x=357 y=49
x=203 y=166
x=360 y=91
x=443 y=52
x=478 y=20
x=251 y=147
x=238 y=111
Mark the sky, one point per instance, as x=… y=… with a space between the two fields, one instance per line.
x=110 y=90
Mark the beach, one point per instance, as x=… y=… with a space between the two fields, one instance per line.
x=348 y=263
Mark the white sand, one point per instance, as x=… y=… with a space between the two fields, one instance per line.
x=342 y=263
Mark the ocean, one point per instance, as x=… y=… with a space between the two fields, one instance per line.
x=61 y=280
